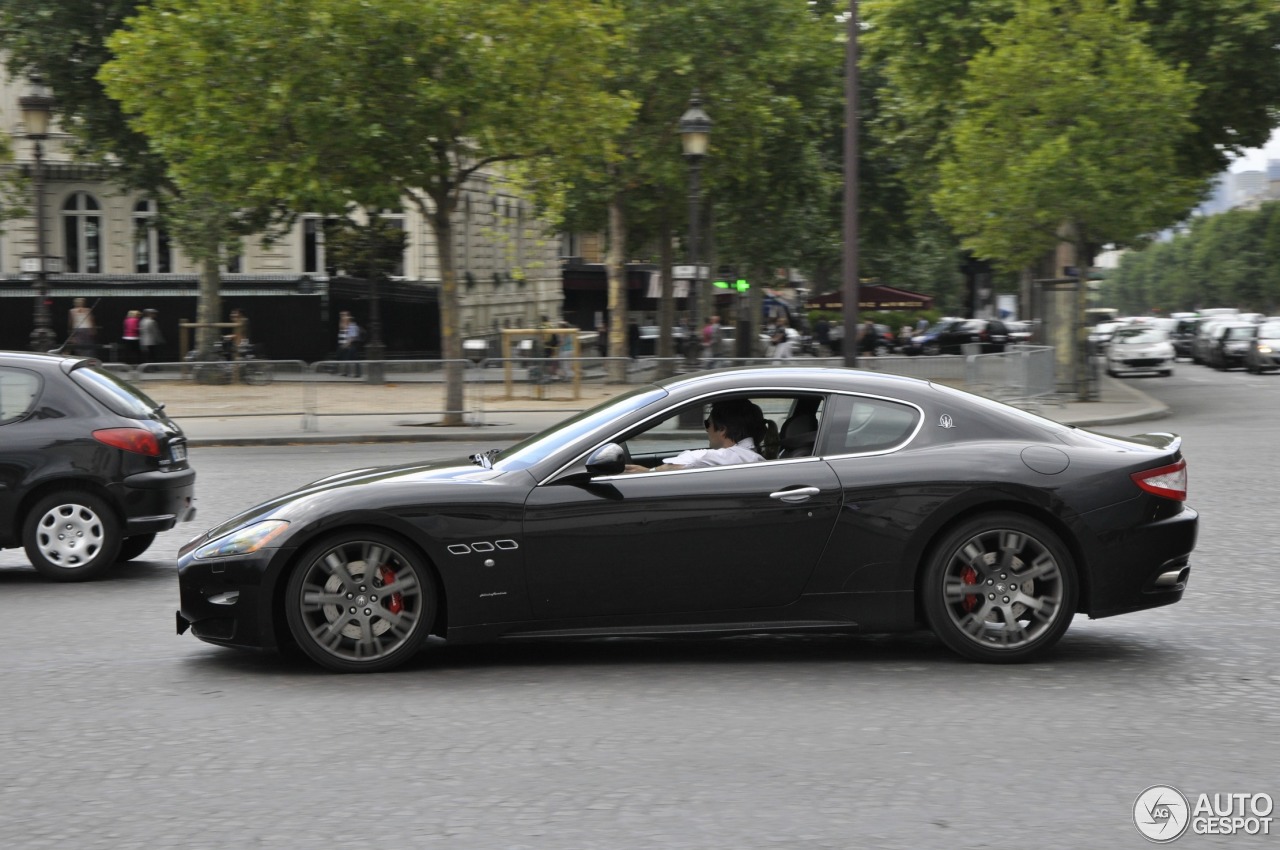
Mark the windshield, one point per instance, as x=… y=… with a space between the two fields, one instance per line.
x=538 y=447
x=1242 y=333
x=1139 y=335
x=116 y=394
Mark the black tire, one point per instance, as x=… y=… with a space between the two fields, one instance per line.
x=71 y=536
x=134 y=546
x=334 y=608
x=1025 y=583
x=932 y=349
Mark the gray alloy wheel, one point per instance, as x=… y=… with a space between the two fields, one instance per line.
x=360 y=602
x=999 y=588
x=134 y=546
x=71 y=536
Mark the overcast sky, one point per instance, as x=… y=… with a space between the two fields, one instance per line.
x=1255 y=159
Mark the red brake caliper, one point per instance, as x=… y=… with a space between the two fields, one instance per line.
x=396 y=603
x=969 y=576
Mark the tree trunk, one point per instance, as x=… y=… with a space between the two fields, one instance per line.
x=450 y=342
x=209 y=310
x=615 y=260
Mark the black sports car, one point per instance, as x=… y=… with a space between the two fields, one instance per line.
x=884 y=503
x=91 y=469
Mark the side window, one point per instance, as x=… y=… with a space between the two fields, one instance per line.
x=790 y=429
x=856 y=425
x=18 y=392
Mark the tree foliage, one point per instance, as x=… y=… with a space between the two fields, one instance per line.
x=332 y=106
x=1226 y=260
x=1068 y=118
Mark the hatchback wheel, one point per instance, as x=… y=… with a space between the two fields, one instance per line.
x=1000 y=588
x=71 y=536
x=360 y=602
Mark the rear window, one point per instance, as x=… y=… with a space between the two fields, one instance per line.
x=116 y=395
x=19 y=390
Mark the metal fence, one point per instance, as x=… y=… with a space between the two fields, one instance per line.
x=1024 y=375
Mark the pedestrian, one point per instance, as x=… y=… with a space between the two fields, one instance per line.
x=782 y=344
x=149 y=337
x=822 y=335
x=349 y=344
x=869 y=338
x=711 y=341
x=130 y=352
x=602 y=340
x=82 y=329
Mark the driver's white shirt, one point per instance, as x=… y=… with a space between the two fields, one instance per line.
x=743 y=452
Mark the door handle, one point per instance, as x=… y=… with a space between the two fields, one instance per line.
x=800 y=494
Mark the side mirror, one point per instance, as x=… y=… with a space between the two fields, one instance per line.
x=609 y=459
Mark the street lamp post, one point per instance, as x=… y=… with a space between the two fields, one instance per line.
x=36 y=110
x=695 y=133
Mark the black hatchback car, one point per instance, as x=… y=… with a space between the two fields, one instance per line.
x=91 y=469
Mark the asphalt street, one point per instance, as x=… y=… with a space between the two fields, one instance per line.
x=118 y=733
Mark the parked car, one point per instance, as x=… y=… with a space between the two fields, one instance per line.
x=988 y=524
x=1204 y=339
x=1231 y=342
x=91 y=469
x=1100 y=336
x=1140 y=348
x=1183 y=335
x=990 y=334
x=1264 y=349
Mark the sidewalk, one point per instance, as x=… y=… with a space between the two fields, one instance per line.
x=503 y=421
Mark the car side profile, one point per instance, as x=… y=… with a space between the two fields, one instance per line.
x=1263 y=354
x=91 y=469
x=876 y=503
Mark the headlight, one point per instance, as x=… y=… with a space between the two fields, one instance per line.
x=244 y=540
x=1264 y=349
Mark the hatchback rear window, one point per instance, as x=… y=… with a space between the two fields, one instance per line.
x=117 y=395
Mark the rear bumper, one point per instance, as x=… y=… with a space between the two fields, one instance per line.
x=1149 y=567
x=157 y=501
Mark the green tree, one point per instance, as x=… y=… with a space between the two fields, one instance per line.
x=338 y=107
x=1069 y=130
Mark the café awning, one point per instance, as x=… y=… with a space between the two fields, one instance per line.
x=873 y=297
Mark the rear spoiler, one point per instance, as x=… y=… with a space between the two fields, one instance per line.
x=1162 y=440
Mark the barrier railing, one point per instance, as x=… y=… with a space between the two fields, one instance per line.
x=1024 y=375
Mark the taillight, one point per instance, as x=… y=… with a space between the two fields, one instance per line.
x=1169 y=482
x=137 y=440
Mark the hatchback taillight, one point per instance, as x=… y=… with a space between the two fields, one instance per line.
x=1169 y=482
x=137 y=440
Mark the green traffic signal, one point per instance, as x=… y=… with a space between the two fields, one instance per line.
x=740 y=284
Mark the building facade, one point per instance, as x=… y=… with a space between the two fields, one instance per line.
x=113 y=253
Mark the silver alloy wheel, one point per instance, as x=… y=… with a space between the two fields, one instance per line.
x=70 y=535
x=1003 y=589
x=359 y=602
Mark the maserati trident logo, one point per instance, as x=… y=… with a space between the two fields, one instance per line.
x=944 y=421
x=1161 y=813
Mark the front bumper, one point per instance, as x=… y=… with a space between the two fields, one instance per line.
x=227 y=601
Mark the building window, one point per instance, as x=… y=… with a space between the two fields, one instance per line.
x=151 y=250
x=312 y=245
x=231 y=262
x=82 y=234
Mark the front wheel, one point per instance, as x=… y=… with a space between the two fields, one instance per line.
x=71 y=536
x=360 y=602
x=1000 y=588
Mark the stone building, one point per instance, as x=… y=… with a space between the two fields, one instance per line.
x=113 y=254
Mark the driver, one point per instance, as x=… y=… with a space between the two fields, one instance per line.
x=734 y=429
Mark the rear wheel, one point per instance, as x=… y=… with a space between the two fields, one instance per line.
x=71 y=536
x=1000 y=588
x=360 y=602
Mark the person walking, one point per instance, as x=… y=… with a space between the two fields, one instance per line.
x=149 y=337
x=349 y=344
x=82 y=329
x=130 y=352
